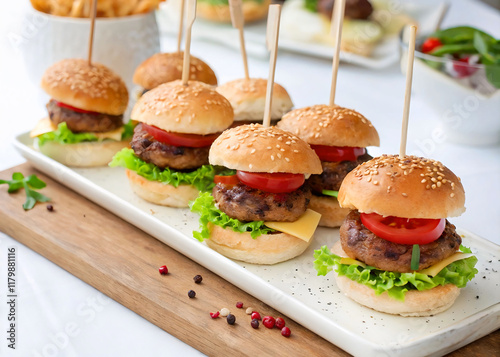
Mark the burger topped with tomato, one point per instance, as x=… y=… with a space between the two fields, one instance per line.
x=397 y=252
x=259 y=213
x=248 y=98
x=338 y=136
x=167 y=67
x=168 y=161
x=85 y=123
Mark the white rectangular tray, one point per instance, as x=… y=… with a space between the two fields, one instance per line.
x=292 y=287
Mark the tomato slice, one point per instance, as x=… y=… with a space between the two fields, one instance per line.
x=404 y=230
x=180 y=139
x=430 y=44
x=226 y=180
x=78 y=110
x=338 y=153
x=274 y=183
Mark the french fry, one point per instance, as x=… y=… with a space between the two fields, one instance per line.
x=105 y=8
x=145 y=6
x=77 y=9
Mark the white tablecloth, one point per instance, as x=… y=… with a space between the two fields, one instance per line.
x=51 y=300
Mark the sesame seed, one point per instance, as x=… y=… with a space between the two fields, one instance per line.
x=404 y=194
x=452 y=195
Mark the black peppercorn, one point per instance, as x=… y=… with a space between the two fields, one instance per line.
x=231 y=319
x=191 y=294
x=197 y=279
x=255 y=323
x=50 y=208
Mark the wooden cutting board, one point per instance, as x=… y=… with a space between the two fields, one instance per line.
x=122 y=262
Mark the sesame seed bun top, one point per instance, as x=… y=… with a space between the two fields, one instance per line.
x=330 y=125
x=408 y=187
x=248 y=98
x=95 y=88
x=195 y=108
x=255 y=148
x=166 y=67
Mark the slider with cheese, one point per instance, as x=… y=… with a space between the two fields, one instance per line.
x=397 y=251
x=85 y=123
x=259 y=213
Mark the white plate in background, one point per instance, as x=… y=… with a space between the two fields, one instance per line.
x=292 y=287
x=386 y=52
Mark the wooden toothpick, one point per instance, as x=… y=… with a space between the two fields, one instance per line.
x=409 y=76
x=191 y=15
x=93 y=14
x=181 y=26
x=337 y=21
x=236 y=11
x=272 y=34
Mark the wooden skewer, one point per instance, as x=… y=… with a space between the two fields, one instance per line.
x=337 y=21
x=236 y=11
x=181 y=26
x=272 y=34
x=442 y=13
x=93 y=14
x=191 y=15
x=409 y=77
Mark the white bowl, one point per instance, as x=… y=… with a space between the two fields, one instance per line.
x=467 y=115
x=120 y=43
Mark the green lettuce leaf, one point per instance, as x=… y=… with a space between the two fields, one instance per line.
x=128 y=130
x=202 y=178
x=396 y=284
x=63 y=135
x=204 y=205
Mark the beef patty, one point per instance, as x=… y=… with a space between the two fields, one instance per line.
x=360 y=243
x=249 y=204
x=333 y=174
x=164 y=155
x=83 y=122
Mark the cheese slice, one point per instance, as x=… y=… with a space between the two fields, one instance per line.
x=302 y=228
x=351 y=261
x=436 y=268
x=43 y=126
x=46 y=126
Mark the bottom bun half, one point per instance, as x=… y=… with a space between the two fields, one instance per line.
x=416 y=303
x=84 y=154
x=332 y=215
x=265 y=249
x=160 y=193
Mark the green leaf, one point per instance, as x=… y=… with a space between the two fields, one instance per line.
x=202 y=178
x=128 y=130
x=38 y=196
x=394 y=283
x=204 y=205
x=330 y=193
x=493 y=75
x=453 y=49
x=482 y=47
x=35 y=182
x=29 y=203
x=17 y=176
x=460 y=34
x=65 y=136
x=311 y=5
x=19 y=181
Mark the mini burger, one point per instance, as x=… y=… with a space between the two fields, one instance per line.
x=259 y=213
x=168 y=161
x=339 y=136
x=248 y=98
x=85 y=123
x=218 y=10
x=397 y=252
x=167 y=67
